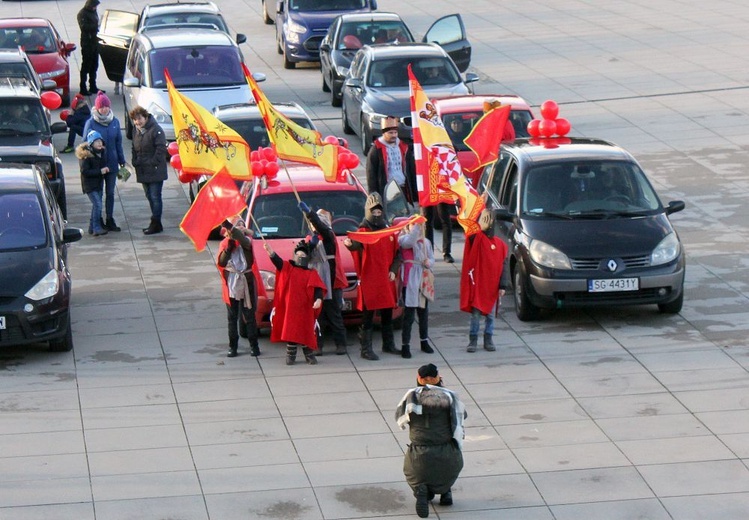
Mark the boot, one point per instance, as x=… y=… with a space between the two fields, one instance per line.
x=340 y=350
x=154 y=228
x=472 y=343
x=406 y=351
x=290 y=354
x=254 y=349
x=446 y=499
x=111 y=225
x=232 y=351
x=488 y=343
x=309 y=356
x=422 y=501
x=388 y=342
x=366 y=346
x=425 y=347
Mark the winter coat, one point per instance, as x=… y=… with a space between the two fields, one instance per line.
x=377 y=176
x=88 y=23
x=91 y=164
x=112 y=135
x=414 y=270
x=79 y=116
x=149 y=152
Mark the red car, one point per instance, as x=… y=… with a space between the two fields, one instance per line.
x=280 y=222
x=468 y=110
x=46 y=50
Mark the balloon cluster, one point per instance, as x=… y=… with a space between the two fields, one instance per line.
x=550 y=125
x=347 y=160
x=176 y=162
x=264 y=161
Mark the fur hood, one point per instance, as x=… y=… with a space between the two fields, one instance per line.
x=83 y=151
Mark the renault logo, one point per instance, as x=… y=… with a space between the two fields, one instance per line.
x=612 y=265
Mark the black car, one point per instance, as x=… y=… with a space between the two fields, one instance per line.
x=34 y=278
x=584 y=227
x=26 y=133
x=350 y=32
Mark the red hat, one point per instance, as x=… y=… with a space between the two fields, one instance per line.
x=77 y=99
x=102 y=101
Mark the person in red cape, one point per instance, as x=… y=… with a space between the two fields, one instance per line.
x=483 y=259
x=297 y=303
x=235 y=262
x=377 y=265
x=326 y=260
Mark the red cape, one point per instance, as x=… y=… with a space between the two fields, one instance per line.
x=259 y=287
x=294 y=318
x=483 y=261
x=376 y=291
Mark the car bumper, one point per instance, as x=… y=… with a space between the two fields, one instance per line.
x=298 y=52
x=45 y=323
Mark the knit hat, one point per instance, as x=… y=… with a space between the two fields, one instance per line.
x=92 y=136
x=102 y=101
x=76 y=100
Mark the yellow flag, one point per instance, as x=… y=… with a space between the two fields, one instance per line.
x=292 y=141
x=206 y=145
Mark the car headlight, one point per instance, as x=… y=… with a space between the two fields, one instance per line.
x=47 y=287
x=341 y=71
x=667 y=250
x=548 y=256
x=296 y=27
x=269 y=280
x=375 y=121
x=160 y=115
x=52 y=74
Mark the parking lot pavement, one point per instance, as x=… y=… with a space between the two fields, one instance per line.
x=604 y=413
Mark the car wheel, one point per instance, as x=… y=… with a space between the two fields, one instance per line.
x=286 y=63
x=335 y=97
x=524 y=309
x=366 y=140
x=673 y=307
x=64 y=344
x=325 y=87
x=266 y=17
x=344 y=122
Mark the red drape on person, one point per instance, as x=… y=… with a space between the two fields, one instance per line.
x=483 y=260
x=293 y=317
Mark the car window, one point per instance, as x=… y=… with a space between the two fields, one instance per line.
x=393 y=73
x=119 y=23
x=181 y=18
x=520 y=120
x=21 y=117
x=19 y=70
x=357 y=66
x=55 y=217
x=34 y=40
x=277 y=215
x=369 y=32
x=21 y=222
x=196 y=66
x=326 y=5
x=446 y=30
x=253 y=131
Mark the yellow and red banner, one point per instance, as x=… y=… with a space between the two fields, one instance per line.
x=370 y=237
x=292 y=141
x=206 y=145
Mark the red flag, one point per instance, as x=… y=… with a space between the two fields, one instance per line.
x=486 y=135
x=218 y=200
x=370 y=237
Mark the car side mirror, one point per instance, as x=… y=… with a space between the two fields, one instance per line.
x=131 y=82
x=259 y=77
x=59 y=127
x=471 y=77
x=69 y=48
x=504 y=215
x=71 y=235
x=49 y=84
x=353 y=83
x=675 y=206
x=241 y=38
x=325 y=47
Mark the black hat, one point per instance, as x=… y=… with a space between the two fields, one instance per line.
x=302 y=246
x=429 y=370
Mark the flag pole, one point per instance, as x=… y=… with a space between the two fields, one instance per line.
x=262 y=237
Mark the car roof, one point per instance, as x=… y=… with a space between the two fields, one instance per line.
x=403 y=50
x=18 y=178
x=448 y=105
x=573 y=148
x=242 y=110
x=17 y=88
x=12 y=56
x=180 y=7
x=159 y=38
x=306 y=178
x=24 y=22
x=377 y=16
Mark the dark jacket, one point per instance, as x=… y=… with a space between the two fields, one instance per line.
x=149 y=152
x=91 y=164
x=112 y=134
x=79 y=117
x=377 y=170
x=88 y=23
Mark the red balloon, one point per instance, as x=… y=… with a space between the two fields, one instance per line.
x=547 y=127
x=269 y=154
x=173 y=148
x=533 y=128
x=549 y=109
x=330 y=139
x=351 y=160
x=176 y=162
x=563 y=127
x=271 y=170
x=64 y=114
x=254 y=156
x=183 y=177
x=51 y=100
x=257 y=169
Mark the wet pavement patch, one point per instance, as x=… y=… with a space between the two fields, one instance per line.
x=372 y=499
x=284 y=509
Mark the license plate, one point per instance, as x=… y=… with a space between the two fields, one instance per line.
x=346 y=305
x=2 y=322
x=614 y=285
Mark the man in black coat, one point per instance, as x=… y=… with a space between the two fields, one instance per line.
x=391 y=159
x=88 y=22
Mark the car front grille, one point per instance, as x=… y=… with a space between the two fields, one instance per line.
x=13 y=332
x=313 y=43
x=595 y=264
x=584 y=298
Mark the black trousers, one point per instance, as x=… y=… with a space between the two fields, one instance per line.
x=89 y=66
x=235 y=310
x=330 y=315
x=443 y=212
x=409 y=313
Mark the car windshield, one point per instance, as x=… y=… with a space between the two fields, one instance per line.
x=355 y=34
x=589 y=189
x=21 y=117
x=460 y=124
x=190 y=18
x=212 y=66
x=253 y=130
x=393 y=73
x=277 y=215
x=21 y=222
x=326 y=5
x=16 y=70
x=34 y=40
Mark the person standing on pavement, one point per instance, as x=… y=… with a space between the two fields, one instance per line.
x=88 y=22
x=149 y=160
x=480 y=277
x=390 y=159
x=93 y=163
x=418 y=257
x=235 y=259
x=434 y=458
x=326 y=260
x=103 y=121
x=377 y=265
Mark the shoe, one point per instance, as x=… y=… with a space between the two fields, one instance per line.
x=111 y=225
x=446 y=499
x=340 y=350
x=232 y=352
x=406 y=351
x=448 y=258
x=291 y=354
x=85 y=92
x=309 y=356
x=426 y=348
x=390 y=349
x=154 y=227
x=100 y=232
x=254 y=350
x=90 y=230
x=488 y=343
x=67 y=149
x=422 y=501
x=472 y=343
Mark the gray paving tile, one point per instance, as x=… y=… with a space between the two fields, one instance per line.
x=591 y=485
x=183 y=507
x=253 y=478
x=645 y=509
x=652 y=427
x=697 y=478
x=38 y=493
x=244 y=430
x=244 y=454
x=638 y=405
x=682 y=449
x=145 y=485
x=299 y=504
x=708 y=507
x=349 y=447
x=551 y=434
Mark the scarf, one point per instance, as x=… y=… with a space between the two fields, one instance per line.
x=103 y=120
x=239 y=289
x=411 y=403
x=394 y=163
